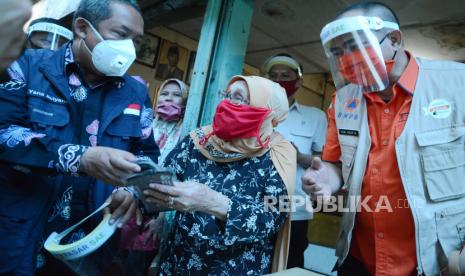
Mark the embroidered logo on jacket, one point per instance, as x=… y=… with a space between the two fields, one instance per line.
x=438 y=109
x=346 y=115
x=43 y=95
x=351 y=105
x=132 y=109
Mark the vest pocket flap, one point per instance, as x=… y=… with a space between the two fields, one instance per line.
x=443 y=173
x=444 y=160
x=125 y=126
x=441 y=136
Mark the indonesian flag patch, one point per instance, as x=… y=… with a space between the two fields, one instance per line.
x=132 y=109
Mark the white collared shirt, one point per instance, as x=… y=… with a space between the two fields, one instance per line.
x=305 y=126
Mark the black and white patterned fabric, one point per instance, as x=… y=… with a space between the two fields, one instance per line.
x=199 y=244
x=70 y=158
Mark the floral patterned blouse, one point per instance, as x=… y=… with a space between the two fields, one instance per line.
x=199 y=244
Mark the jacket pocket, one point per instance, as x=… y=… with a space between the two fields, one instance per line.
x=44 y=113
x=450 y=224
x=303 y=139
x=125 y=126
x=442 y=155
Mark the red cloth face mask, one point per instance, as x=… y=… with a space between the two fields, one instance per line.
x=289 y=86
x=169 y=111
x=238 y=121
x=355 y=69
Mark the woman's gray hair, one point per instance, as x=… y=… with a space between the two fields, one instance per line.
x=95 y=11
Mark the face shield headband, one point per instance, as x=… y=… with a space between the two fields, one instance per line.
x=55 y=32
x=354 y=53
x=281 y=60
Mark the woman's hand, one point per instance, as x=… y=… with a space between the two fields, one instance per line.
x=189 y=196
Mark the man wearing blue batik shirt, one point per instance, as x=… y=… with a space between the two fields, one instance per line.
x=305 y=128
x=71 y=118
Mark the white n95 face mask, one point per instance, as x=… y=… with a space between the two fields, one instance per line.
x=112 y=57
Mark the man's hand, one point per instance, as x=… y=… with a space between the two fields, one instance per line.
x=316 y=180
x=109 y=165
x=123 y=206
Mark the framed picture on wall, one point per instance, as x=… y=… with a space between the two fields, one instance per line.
x=172 y=62
x=148 y=50
x=190 y=67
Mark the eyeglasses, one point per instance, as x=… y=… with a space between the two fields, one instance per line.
x=233 y=98
x=350 y=45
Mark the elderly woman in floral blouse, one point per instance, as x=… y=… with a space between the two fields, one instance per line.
x=226 y=171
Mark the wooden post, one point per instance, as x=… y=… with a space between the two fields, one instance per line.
x=220 y=56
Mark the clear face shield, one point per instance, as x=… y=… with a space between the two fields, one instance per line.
x=45 y=35
x=354 y=54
